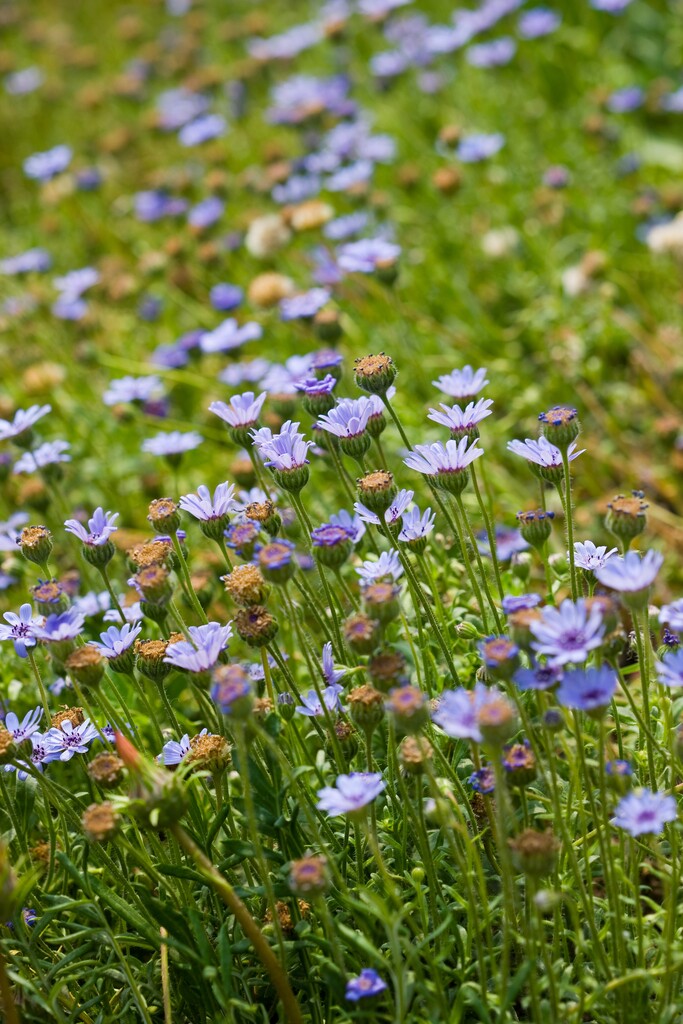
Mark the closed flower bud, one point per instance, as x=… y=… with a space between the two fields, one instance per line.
x=276 y=561
x=534 y=853
x=500 y=656
x=553 y=720
x=409 y=708
x=497 y=721
x=520 y=565
x=361 y=633
x=560 y=425
x=164 y=515
x=150 y=658
x=50 y=597
x=467 y=631
x=256 y=626
x=159 y=799
x=246 y=585
x=377 y=491
x=519 y=763
x=308 y=876
x=106 y=769
x=36 y=544
x=100 y=822
x=519 y=625
x=327 y=325
x=286 y=706
x=332 y=545
x=232 y=692
x=414 y=753
x=347 y=740
x=375 y=374
x=381 y=601
x=535 y=526
x=619 y=776
x=626 y=516
x=86 y=666
x=366 y=707
x=153 y=584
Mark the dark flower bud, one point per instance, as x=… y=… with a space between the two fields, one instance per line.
x=534 y=853
x=619 y=776
x=232 y=691
x=276 y=561
x=414 y=753
x=327 y=325
x=381 y=600
x=153 y=584
x=286 y=706
x=497 y=721
x=388 y=670
x=332 y=545
x=361 y=633
x=100 y=822
x=256 y=626
x=308 y=876
x=409 y=708
x=500 y=656
x=519 y=763
x=106 y=769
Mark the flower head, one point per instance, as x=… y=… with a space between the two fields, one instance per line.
x=445 y=463
x=416 y=525
x=67 y=739
x=566 y=635
x=386 y=567
x=312 y=706
x=24 y=420
x=367 y=983
x=588 y=689
x=173 y=443
x=643 y=812
x=21 y=629
x=201 y=652
x=349 y=418
x=543 y=454
x=331 y=675
x=100 y=527
x=65 y=626
x=116 y=640
x=205 y=507
x=228 y=336
x=462 y=383
x=462 y=421
x=392 y=514
x=670 y=669
x=630 y=573
x=350 y=793
x=588 y=556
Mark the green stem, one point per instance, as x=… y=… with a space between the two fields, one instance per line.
x=569 y=522
x=41 y=685
x=490 y=532
x=246 y=922
x=186 y=580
